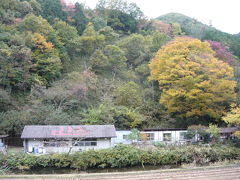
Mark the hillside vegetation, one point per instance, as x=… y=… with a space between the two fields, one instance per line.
x=196 y=29
x=69 y=64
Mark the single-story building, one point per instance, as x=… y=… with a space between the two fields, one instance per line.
x=65 y=139
x=228 y=132
x=164 y=135
x=122 y=137
x=3 y=146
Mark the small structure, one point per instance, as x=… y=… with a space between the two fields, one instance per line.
x=3 y=146
x=65 y=139
x=228 y=132
x=122 y=137
x=164 y=135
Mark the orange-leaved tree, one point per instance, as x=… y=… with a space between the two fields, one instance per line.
x=193 y=82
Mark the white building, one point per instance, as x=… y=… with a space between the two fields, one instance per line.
x=122 y=138
x=65 y=139
x=3 y=146
x=164 y=135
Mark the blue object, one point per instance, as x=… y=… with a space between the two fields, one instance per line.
x=35 y=150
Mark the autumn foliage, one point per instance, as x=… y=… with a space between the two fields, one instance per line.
x=193 y=82
x=222 y=52
x=233 y=118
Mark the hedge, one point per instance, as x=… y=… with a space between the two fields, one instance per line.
x=121 y=156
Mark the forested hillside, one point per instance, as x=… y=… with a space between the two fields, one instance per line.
x=69 y=64
x=196 y=29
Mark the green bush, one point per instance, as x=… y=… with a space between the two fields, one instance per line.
x=122 y=156
x=159 y=144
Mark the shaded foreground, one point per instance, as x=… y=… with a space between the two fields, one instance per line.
x=210 y=173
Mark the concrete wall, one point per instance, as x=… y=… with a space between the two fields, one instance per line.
x=38 y=143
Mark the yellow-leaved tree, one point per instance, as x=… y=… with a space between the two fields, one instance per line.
x=233 y=117
x=194 y=84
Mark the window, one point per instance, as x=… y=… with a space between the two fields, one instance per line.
x=182 y=136
x=125 y=136
x=55 y=142
x=85 y=142
x=150 y=136
x=167 y=136
x=93 y=143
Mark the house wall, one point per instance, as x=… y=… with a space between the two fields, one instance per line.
x=38 y=143
x=159 y=136
x=31 y=143
x=120 y=138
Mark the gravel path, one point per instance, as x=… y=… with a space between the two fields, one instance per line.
x=208 y=173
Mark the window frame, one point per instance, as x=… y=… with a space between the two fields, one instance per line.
x=182 y=136
x=167 y=139
x=85 y=142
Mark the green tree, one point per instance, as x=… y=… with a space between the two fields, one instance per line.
x=136 y=48
x=52 y=9
x=116 y=58
x=10 y=10
x=68 y=37
x=214 y=131
x=65 y=32
x=110 y=35
x=15 y=65
x=120 y=15
x=176 y=29
x=5 y=101
x=90 y=40
x=128 y=95
x=99 y=23
x=37 y=9
x=80 y=20
x=95 y=115
x=194 y=83
x=134 y=136
x=158 y=40
x=99 y=61
x=35 y=24
x=25 y=8
x=111 y=59
x=197 y=133
x=121 y=21
x=47 y=64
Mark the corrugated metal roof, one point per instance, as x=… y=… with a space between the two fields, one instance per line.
x=3 y=136
x=229 y=130
x=78 y=131
x=165 y=129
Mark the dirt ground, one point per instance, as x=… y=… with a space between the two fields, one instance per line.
x=205 y=173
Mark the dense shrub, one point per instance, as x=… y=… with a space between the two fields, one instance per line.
x=122 y=156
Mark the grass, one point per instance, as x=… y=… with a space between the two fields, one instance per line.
x=13 y=149
x=111 y=176
x=187 y=169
